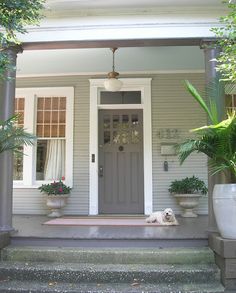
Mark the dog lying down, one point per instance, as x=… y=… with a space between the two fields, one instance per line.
x=166 y=217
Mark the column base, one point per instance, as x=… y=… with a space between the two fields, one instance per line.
x=225 y=258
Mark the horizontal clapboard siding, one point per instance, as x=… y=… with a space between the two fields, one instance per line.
x=171 y=108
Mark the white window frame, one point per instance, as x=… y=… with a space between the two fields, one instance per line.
x=129 y=84
x=29 y=159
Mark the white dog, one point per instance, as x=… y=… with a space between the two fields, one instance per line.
x=166 y=217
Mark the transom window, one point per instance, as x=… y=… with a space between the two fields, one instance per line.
x=48 y=113
x=123 y=97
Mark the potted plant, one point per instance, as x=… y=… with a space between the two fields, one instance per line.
x=218 y=142
x=187 y=191
x=57 y=194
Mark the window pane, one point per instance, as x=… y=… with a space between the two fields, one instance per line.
x=55 y=117
x=41 y=158
x=40 y=105
x=47 y=105
x=51 y=117
x=40 y=117
x=18 y=158
x=125 y=97
x=62 y=116
x=40 y=130
x=62 y=131
x=50 y=163
x=54 y=130
x=55 y=103
x=46 y=131
x=115 y=121
x=47 y=117
x=107 y=137
x=18 y=166
x=62 y=103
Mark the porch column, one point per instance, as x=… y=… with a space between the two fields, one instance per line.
x=211 y=52
x=7 y=101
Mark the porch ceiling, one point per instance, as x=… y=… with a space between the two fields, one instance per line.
x=99 y=60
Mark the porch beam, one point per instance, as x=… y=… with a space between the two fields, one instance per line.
x=111 y=43
x=7 y=104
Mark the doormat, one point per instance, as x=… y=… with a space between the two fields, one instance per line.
x=104 y=221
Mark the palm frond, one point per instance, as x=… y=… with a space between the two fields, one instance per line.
x=195 y=94
x=13 y=137
x=213 y=94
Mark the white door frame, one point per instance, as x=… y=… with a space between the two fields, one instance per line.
x=129 y=84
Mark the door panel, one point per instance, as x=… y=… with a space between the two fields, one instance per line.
x=121 y=162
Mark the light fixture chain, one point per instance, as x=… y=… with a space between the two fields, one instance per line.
x=113 y=60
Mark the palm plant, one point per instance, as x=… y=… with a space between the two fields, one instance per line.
x=13 y=137
x=217 y=141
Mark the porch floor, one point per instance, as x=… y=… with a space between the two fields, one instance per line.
x=190 y=232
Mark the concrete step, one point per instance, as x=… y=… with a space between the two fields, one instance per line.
x=110 y=241
x=135 y=287
x=106 y=256
x=109 y=273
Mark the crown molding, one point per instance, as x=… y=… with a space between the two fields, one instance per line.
x=203 y=11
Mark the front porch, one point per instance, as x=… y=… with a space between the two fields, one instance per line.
x=191 y=232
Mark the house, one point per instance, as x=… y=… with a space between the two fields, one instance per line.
x=115 y=149
x=110 y=146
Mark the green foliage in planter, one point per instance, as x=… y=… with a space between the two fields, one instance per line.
x=15 y=15
x=188 y=185
x=55 y=188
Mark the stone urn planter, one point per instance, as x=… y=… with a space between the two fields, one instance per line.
x=224 y=205
x=188 y=202
x=57 y=194
x=187 y=192
x=55 y=203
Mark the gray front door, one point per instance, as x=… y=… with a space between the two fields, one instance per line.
x=120 y=173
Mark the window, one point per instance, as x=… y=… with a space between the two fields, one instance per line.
x=230 y=102
x=48 y=113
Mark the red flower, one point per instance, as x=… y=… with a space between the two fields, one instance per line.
x=60 y=189
x=63 y=178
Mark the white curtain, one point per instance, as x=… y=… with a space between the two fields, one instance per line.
x=55 y=159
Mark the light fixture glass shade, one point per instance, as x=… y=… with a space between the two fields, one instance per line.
x=113 y=84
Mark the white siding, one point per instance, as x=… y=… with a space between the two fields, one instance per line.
x=172 y=107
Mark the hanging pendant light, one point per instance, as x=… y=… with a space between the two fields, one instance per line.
x=113 y=84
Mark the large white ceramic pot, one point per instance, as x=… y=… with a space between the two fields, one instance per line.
x=224 y=205
x=55 y=204
x=188 y=202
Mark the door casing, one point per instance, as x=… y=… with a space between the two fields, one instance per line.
x=129 y=84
